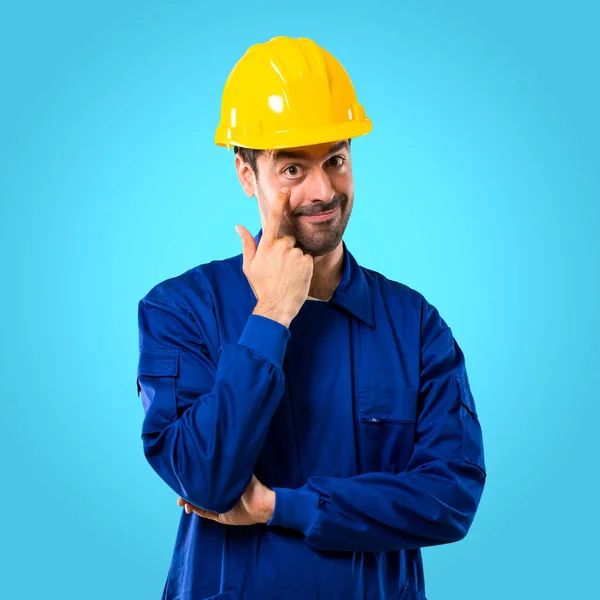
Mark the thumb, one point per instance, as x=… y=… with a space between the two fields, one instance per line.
x=248 y=243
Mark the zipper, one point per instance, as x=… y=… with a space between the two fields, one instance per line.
x=365 y=419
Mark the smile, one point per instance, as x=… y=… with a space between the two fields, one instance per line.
x=321 y=216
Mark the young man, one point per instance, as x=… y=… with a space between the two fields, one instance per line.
x=314 y=417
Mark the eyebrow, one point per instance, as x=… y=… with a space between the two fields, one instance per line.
x=280 y=154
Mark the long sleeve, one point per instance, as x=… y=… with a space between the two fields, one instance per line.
x=206 y=415
x=434 y=500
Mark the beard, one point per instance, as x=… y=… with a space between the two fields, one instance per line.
x=317 y=238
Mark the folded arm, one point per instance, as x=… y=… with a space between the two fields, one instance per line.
x=435 y=500
x=206 y=420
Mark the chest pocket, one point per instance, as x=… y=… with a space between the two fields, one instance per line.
x=385 y=427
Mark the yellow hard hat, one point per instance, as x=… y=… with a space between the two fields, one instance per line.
x=288 y=92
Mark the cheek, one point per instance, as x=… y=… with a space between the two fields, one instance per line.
x=343 y=180
x=345 y=186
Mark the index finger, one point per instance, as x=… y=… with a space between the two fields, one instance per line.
x=271 y=232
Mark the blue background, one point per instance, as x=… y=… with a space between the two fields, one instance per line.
x=478 y=186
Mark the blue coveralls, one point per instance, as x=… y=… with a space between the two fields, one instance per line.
x=359 y=416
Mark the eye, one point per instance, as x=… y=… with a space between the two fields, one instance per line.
x=336 y=161
x=293 y=170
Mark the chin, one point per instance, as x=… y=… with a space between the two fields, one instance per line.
x=319 y=247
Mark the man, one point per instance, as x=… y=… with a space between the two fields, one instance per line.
x=314 y=417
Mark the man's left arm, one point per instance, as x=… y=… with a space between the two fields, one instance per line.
x=435 y=500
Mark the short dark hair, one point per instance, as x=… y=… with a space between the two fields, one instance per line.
x=250 y=156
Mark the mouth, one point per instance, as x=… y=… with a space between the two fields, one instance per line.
x=321 y=216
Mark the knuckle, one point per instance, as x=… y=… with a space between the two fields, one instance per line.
x=285 y=242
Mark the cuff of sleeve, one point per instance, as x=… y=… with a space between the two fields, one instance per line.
x=267 y=337
x=295 y=509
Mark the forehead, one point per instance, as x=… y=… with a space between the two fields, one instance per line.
x=312 y=152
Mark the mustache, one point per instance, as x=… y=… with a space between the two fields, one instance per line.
x=323 y=208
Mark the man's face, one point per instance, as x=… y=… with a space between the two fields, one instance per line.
x=320 y=180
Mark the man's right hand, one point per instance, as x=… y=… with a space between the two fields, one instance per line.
x=279 y=274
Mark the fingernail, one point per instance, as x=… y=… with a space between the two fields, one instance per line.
x=238 y=231
x=285 y=190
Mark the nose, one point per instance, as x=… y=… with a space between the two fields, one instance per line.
x=318 y=185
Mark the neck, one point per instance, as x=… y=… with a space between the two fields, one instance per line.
x=327 y=274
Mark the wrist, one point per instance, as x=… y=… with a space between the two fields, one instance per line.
x=296 y=509
x=267 y=507
x=271 y=312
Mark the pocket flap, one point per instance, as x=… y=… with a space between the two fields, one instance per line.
x=466 y=396
x=387 y=403
x=159 y=362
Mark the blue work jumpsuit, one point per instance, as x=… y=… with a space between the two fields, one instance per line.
x=359 y=416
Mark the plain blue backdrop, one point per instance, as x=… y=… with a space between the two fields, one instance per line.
x=478 y=186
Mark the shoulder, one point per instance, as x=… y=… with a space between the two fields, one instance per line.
x=199 y=284
x=182 y=310
x=408 y=305
x=394 y=291
x=397 y=295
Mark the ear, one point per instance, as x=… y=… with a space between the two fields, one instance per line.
x=246 y=176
